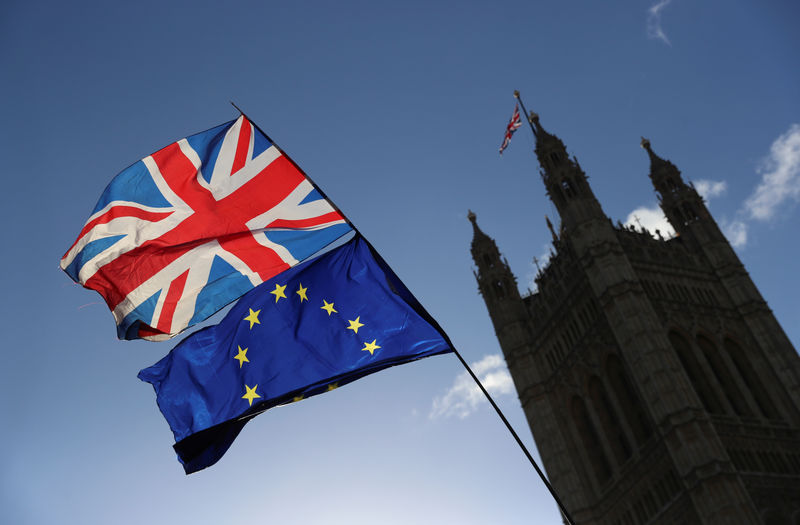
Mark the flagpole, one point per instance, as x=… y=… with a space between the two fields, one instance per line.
x=286 y=155
x=527 y=115
x=547 y=484
x=435 y=324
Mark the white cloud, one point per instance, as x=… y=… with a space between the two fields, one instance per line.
x=709 y=189
x=736 y=232
x=654 y=29
x=544 y=257
x=464 y=397
x=651 y=218
x=780 y=177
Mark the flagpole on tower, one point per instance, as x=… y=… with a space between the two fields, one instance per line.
x=527 y=115
x=510 y=128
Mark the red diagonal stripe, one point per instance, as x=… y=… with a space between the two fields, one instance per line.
x=211 y=220
x=257 y=257
x=242 y=146
x=171 y=302
x=181 y=176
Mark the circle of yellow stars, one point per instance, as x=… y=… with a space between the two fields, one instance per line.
x=302 y=292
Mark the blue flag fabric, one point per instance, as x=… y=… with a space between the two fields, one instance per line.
x=312 y=328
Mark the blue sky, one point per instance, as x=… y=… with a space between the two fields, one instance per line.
x=396 y=110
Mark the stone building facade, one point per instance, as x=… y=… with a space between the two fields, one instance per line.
x=657 y=383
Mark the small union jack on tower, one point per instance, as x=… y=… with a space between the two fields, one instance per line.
x=513 y=125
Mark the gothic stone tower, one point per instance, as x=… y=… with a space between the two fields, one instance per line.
x=657 y=383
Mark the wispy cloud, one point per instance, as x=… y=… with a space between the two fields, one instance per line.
x=780 y=177
x=779 y=185
x=464 y=397
x=654 y=29
x=735 y=231
x=709 y=189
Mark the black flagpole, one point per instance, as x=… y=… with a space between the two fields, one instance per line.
x=527 y=115
x=290 y=159
x=547 y=484
x=435 y=324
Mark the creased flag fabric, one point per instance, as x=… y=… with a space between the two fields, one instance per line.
x=513 y=125
x=185 y=231
x=313 y=328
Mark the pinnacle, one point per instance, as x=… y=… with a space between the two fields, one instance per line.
x=478 y=235
x=655 y=160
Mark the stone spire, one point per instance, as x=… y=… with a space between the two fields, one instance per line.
x=549 y=148
x=495 y=280
x=478 y=237
x=565 y=181
x=660 y=169
x=680 y=202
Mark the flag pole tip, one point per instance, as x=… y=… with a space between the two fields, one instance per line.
x=236 y=107
x=516 y=93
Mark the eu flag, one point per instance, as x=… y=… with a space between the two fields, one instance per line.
x=312 y=328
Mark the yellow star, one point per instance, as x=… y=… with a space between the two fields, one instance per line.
x=297 y=398
x=370 y=347
x=278 y=292
x=333 y=386
x=250 y=395
x=253 y=317
x=328 y=308
x=355 y=325
x=241 y=356
x=302 y=293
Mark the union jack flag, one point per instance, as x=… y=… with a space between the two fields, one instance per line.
x=513 y=125
x=185 y=231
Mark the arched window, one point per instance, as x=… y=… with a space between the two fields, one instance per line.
x=590 y=440
x=689 y=211
x=614 y=432
x=569 y=189
x=499 y=289
x=695 y=374
x=750 y=379
x=724 y=377
x=677 y=212
x=628 y=400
